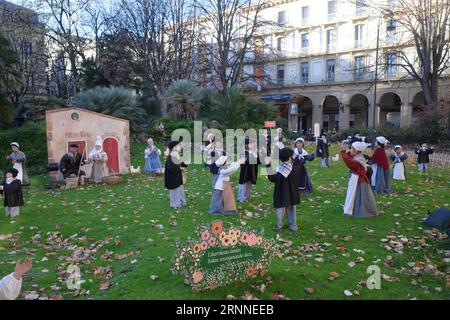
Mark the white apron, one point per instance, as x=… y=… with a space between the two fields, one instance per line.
x=399 y=171
x=351 y=194
x=18 y=167
x=374 y=174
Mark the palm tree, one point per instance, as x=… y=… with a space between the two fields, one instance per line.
x=184 y=97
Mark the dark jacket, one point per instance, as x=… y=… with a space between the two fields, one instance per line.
x=423 y=156
x=322 y=148
x=285 y=193
x=12 y=193
x=249 y=170
x=70 y=164
x=173 y=176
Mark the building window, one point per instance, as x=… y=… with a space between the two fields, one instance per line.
x=331 y=10
x=391 y=64
x=360 y=7
x=305 y=40
x=282 y=18
x=305 y=72
x=331 y=39
x=305 y=16
x=280 y=44
x=359 y=30
x=360 y=67
x=280 y=74
x=331 y=66
x=391 y=31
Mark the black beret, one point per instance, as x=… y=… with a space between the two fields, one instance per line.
x=172 y=144
x=285 y=154
x=14 y=171
x=74 y=145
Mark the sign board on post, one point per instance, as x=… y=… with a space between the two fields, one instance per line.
x=219 y=256
x=316 y=130
x=270 y=124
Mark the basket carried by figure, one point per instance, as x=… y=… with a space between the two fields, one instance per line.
x=112 y=179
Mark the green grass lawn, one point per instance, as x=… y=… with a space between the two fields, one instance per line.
x=122 y=235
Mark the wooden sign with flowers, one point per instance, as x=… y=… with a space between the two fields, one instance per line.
x=220 y=256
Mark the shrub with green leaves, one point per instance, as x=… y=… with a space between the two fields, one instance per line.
x=32 y=138
x=184 y=97
x=119 y=102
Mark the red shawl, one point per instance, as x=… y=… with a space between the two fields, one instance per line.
x=355 y=167
x=380 y=158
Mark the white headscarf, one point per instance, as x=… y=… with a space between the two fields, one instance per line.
x=382 y=140
x=94 y=151
x=14 y=144
x=359 y=146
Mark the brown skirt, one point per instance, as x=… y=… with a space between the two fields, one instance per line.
x=229 y=203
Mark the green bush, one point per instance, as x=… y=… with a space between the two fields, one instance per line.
x=115 y=101
x=32 y=138
x=184 y=98
x=240 y=111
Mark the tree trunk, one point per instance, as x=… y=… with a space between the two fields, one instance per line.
x=162 y=101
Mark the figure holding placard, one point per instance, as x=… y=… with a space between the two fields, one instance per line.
x=222 y=201
x=286 y=195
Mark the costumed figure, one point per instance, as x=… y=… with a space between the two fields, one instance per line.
x=173 y=175
x=98 y=158
x=70 y=164
x=11 y=189
x=322 y=150
x=300 y=157
x=153 y=164
x=359 y=201
x=249 y=172
x=398 y=158
x=19 y=159
x=285 y=194
x=423 y=157
x=381 y=178
x=222 y=201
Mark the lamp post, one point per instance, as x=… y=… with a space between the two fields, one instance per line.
x=389 y=27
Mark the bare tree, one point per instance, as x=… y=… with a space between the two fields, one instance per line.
x=427 y=25
x=68 y=40
x=422 y=46
x=228 y=29
x=160 y=35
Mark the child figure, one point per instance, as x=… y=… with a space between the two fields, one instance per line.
x=98 y=158
x=360 y=201
x=222 y=201
x=300 y=157
x=323 y=150
x=153 y=164
x=173 y=176
x=381 y=178
x=423 y=156
x=11 y=189
x=398 y=158
x=213 y=168
x=249 y=172
x=286 y=195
